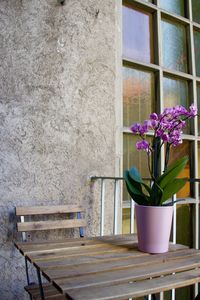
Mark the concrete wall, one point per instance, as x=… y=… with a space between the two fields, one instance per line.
x=58 y=113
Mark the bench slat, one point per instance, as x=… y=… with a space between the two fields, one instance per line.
x=47 y=225
x=48 y=210
x=50 y=292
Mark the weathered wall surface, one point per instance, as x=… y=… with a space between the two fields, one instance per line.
x=57 y=112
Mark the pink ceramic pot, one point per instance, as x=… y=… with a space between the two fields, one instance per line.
x=153 y=227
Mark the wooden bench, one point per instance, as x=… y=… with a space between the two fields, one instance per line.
x=25 y=225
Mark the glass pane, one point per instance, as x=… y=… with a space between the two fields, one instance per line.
x=174 y=6
x=185 y=293
x=181 y=293
x=196 y=10
x=176 y=92
x=184 y=224
x=199 y=161
x=199 y=164
x=198 y=105
x=133 y=157
x=175 y=154
x=197 y=51
x=126 y=216
x=137 y=24
x=174 y=46
x=138 y=95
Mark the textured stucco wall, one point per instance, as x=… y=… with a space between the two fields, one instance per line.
x=57 y=112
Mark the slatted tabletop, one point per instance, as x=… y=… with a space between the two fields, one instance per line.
x=111 y=267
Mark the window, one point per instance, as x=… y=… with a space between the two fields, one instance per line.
x=161 y=68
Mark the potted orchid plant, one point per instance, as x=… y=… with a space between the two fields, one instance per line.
x=167 y=129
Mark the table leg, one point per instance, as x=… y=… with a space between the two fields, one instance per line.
x=27 y=274
x=40 y=284
x=197 y=297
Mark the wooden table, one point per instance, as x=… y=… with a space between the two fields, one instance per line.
x=111 y=267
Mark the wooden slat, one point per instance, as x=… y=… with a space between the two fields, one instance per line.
x=40 y=246
x=83 y=259
x=73 y=244
x=47 y=225
x=77 y=248
x=96 y=255
x=118 y=240
x=49 y=244
x=118 y=276
x=47 y=210
x=135 y=289
x=121 y=258
x=127 y=241
x=67 y=253
x=63 y=254
x=50 y=292
x=138 y=269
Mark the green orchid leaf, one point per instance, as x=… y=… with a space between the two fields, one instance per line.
x=172 y=188
x=135 y=175
x=138 y=199
x=156 y=194
x=141 y=200
x=135 y=187
x=172 y=172
x=148 y=189
x=184 y=158
x=135 y=190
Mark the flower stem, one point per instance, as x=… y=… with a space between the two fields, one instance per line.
x=167 y=152
x=156 y=157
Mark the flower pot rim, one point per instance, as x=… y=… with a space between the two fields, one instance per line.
x=154 y=206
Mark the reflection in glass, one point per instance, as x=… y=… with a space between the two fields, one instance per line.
x=175 y=154
x=176 y=92
x=174 y=6
x=197 y=51
x=174 y=46
x=137 y=24
x=138 y=95
x=196 y=10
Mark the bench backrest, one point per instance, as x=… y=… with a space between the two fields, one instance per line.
x=25 y=225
